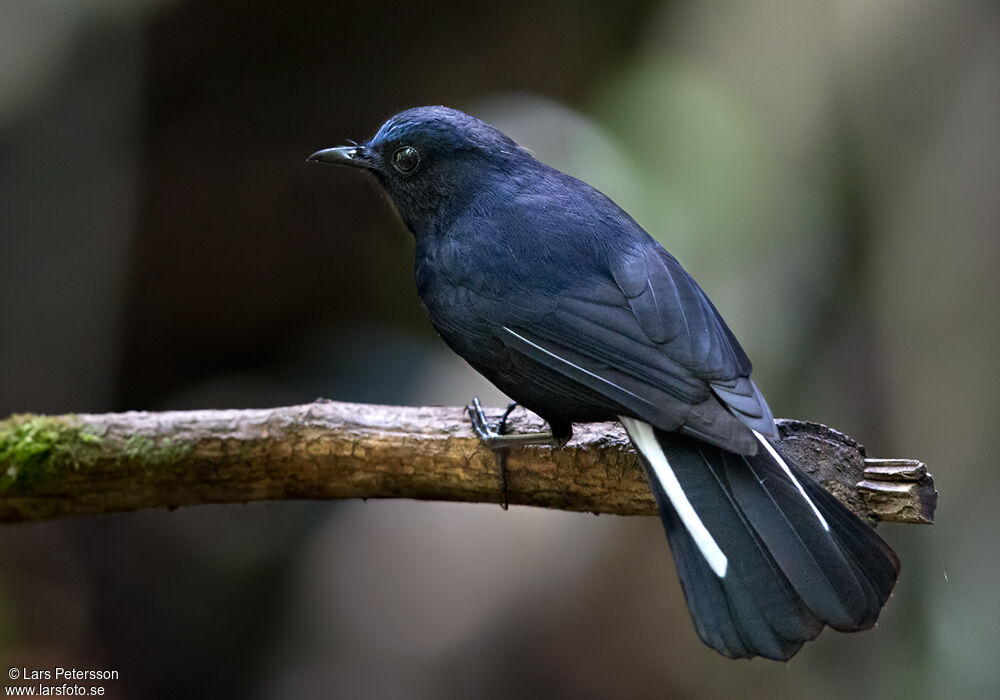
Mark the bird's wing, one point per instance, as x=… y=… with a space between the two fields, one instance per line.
x=674 y=312
x=646 y=336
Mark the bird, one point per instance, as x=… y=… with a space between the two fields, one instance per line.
x=559 y=298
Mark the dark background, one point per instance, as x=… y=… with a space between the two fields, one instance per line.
x=829 y=172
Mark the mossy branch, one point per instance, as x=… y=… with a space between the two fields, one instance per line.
x=55 y=466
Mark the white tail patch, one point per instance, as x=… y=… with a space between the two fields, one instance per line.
x=779 y=460
x=644 y=438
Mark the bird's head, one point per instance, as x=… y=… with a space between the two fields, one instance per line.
x=430 y=161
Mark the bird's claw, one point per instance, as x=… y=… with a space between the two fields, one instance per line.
x=492 y=437
x=500 y=441
x=498 y=438
x=480 y=425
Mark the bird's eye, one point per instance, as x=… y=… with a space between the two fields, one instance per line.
x=405 y=159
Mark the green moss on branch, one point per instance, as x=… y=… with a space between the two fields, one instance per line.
x=38 y=450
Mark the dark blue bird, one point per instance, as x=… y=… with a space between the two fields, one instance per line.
x=558 y=297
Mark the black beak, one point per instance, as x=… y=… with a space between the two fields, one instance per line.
x=354 y=156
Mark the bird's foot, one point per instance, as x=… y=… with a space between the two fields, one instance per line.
x=497 y=438
x=500 y=442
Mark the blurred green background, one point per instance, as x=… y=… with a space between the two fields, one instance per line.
x=827 y=170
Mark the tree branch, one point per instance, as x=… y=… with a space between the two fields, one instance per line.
x=91 y=464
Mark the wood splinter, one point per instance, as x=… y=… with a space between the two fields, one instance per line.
x=900 y=490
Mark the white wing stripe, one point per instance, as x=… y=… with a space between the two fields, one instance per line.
x=567 y=362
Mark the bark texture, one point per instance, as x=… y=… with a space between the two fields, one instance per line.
x=89 y=464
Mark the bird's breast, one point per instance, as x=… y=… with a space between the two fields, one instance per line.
x=439 y=284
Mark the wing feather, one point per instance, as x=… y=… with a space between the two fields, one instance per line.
x=647 y=337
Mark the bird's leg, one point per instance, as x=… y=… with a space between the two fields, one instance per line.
x=502 y=423
x=500 y=442
x=498 y=438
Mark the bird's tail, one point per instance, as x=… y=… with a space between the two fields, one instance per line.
x=766 y=556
